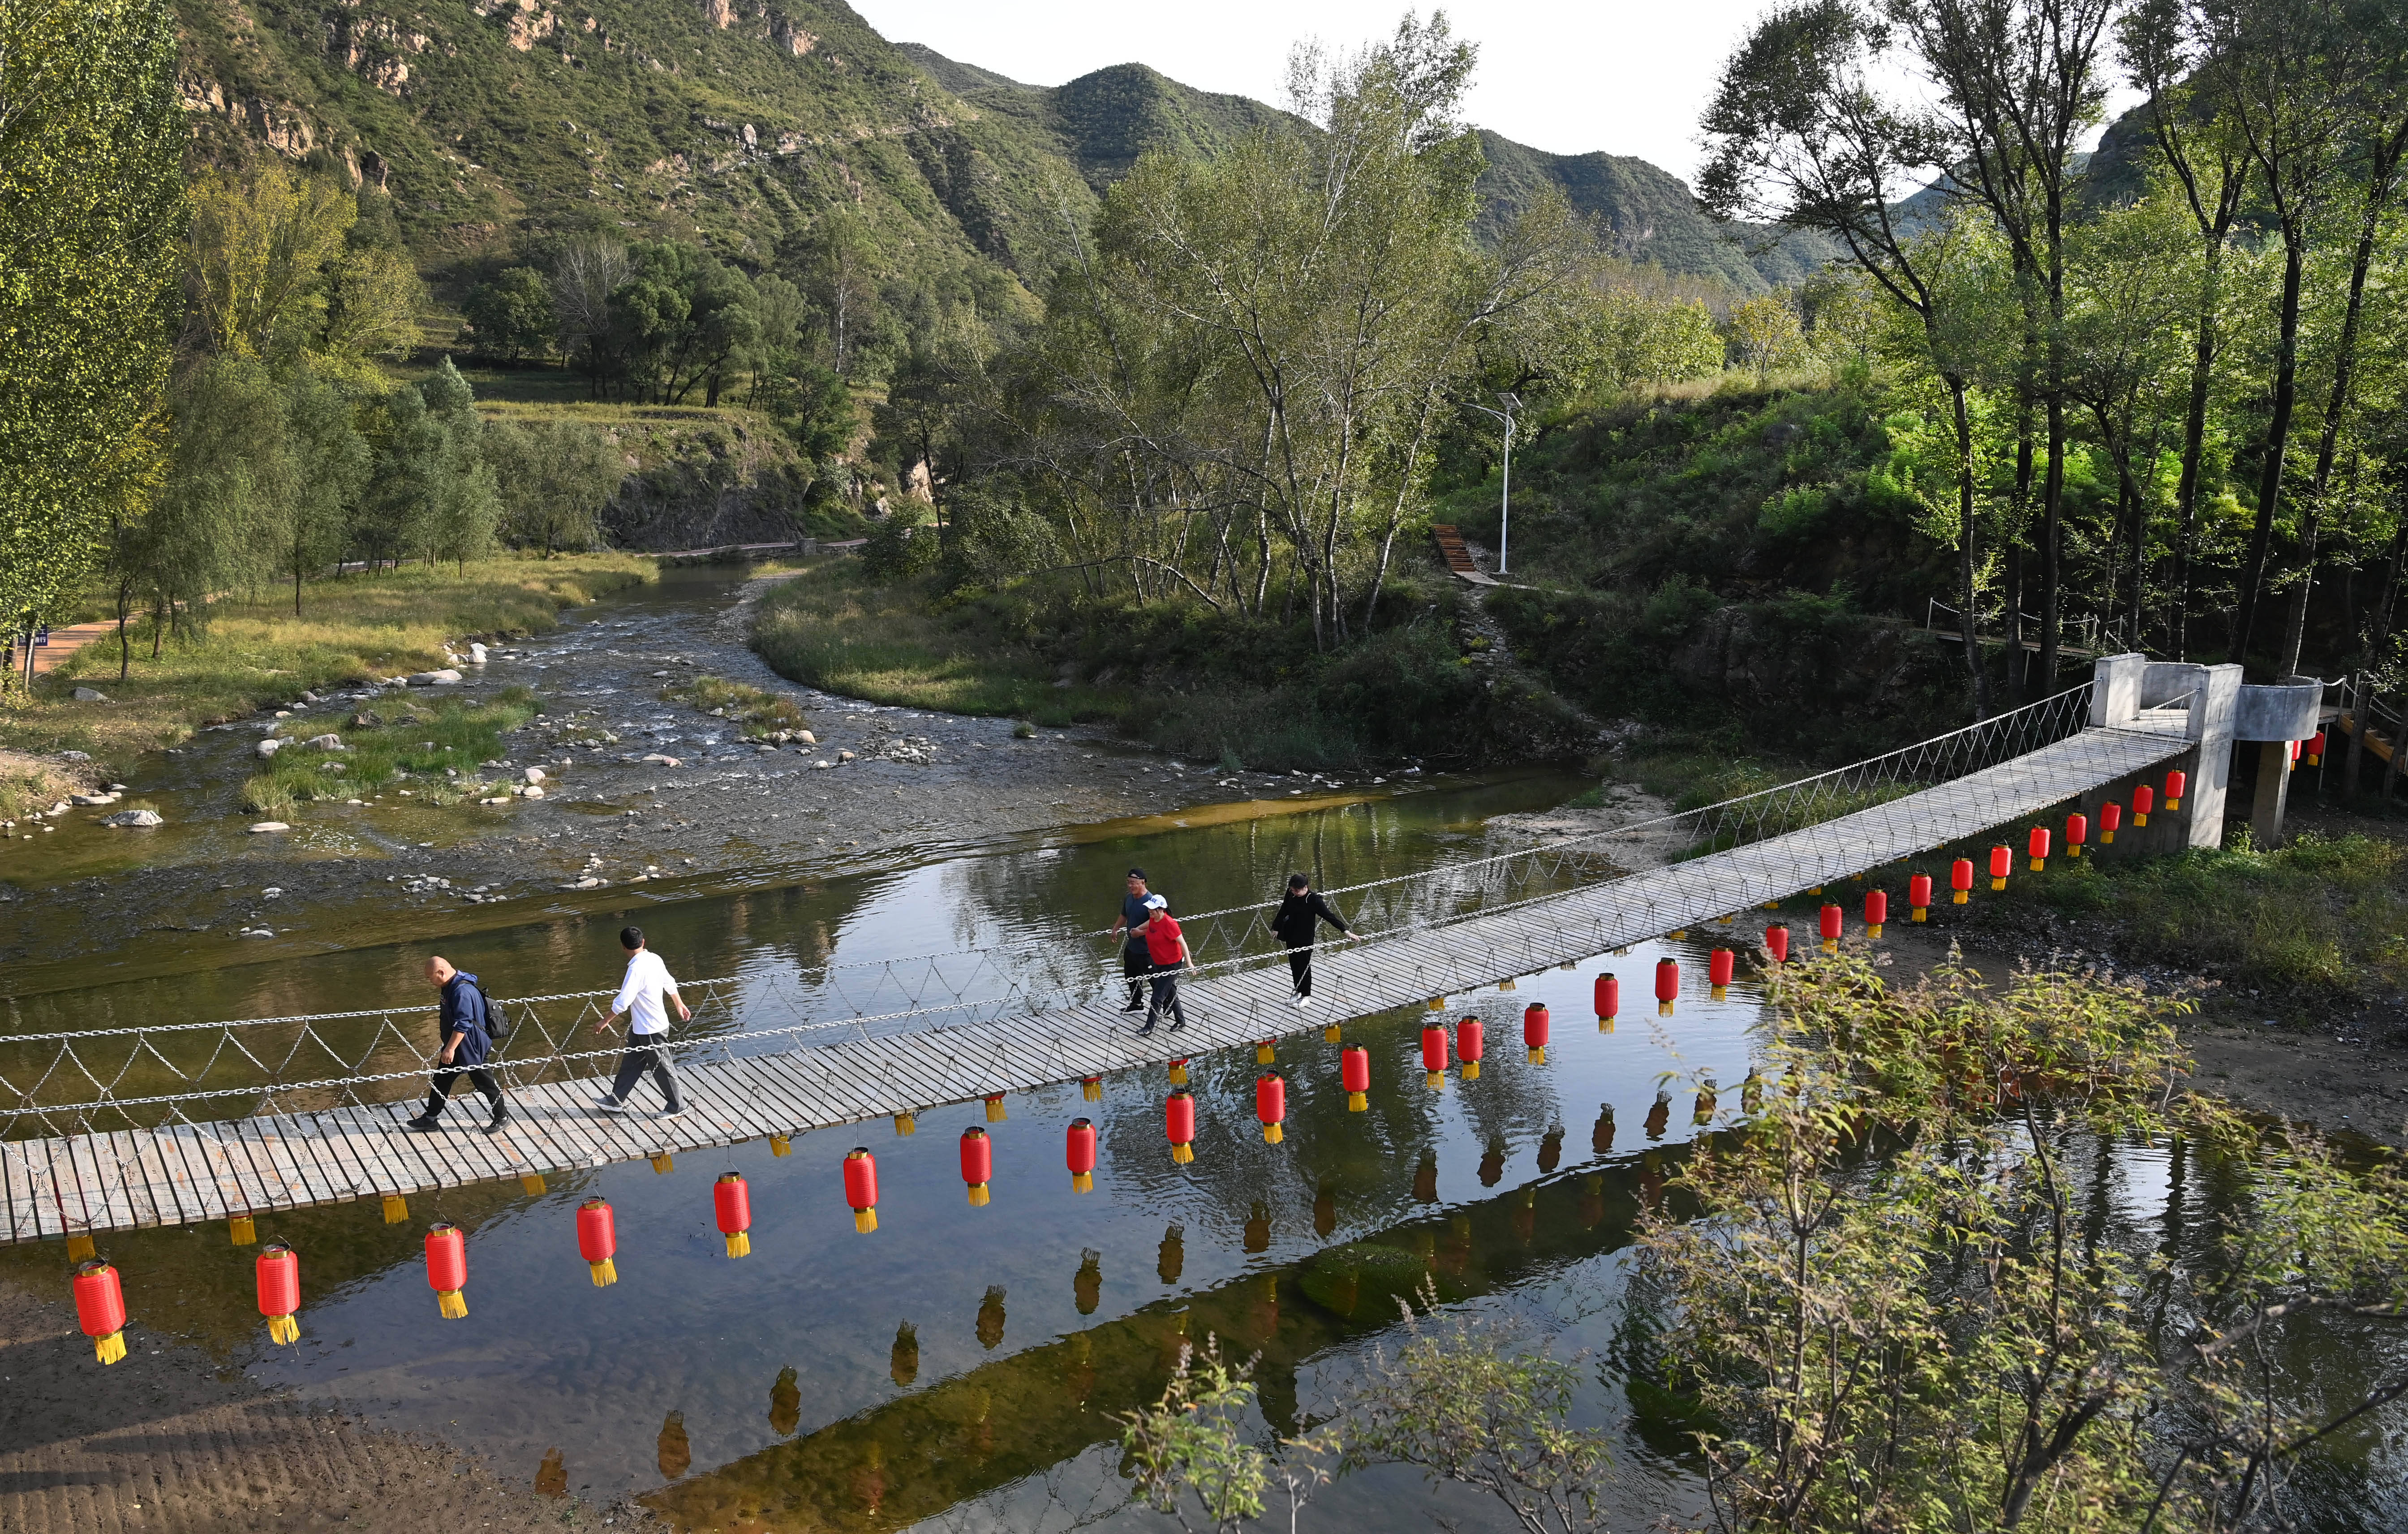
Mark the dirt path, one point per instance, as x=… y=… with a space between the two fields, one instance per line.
x=180 y=1444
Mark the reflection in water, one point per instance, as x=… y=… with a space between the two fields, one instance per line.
x=1550 y=1148
x=1258 y=1228
x=1660 y=1115
x=551 y=1476
x=1491 y=1165
x=676 y=1454
x=1426 y=1179
x=1600 y=1138
x=1173 y=1257
x=903 y=1359
x=785 y=1404
x=1087 y=1284
x=990 y=1318
x=1325 y=1210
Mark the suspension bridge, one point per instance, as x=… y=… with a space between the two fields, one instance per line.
x=115 y=1129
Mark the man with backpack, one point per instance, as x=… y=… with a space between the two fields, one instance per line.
x=467 y=1028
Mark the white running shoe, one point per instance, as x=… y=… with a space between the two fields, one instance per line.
x=1302 y=1002
x=609 y=1104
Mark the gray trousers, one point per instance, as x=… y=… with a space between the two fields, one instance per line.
x=648 y=1052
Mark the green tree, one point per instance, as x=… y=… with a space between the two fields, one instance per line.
x=305 y=525
x=510 y=317
x=1766 y=335
x=465 y=509
x=685 y=319
x=555 y=476
x=91 y=187
x=226 y=461
x=259 y=246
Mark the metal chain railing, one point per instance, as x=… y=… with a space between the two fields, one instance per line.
x=122 y=1078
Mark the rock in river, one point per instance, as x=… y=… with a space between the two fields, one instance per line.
x=445 y=677
x=267 y=825
x=270 y=746
x=134 y=817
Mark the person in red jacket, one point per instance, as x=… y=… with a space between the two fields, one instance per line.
x=1167 y=947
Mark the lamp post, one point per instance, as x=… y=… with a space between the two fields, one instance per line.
x=1513 y=404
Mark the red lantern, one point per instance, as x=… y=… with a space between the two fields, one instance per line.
x=2317 y=749
x=1609 y=1000
x=597 y=1241
x=100 y=1308
x=447 y=1268
x=1876 y=911
x=1668 y=985
x=861 y=1187
x=1354 y=1075
x=2036 y=845
x=1271 y=1105
x=2002 y=859
x=1534 y=1032
x=1919 y=897
x=2144 y=800
x=977 y=1163
x=1179 y=1118
x=731 y=1201
x=2077 y=830
x=1471 y=1042
x=1719 y=965
x=1960 y=880
x=2111 y=818
x=278 y=1274
x=2176 y=782
x=1434 y=1055
x=1078 y=1154
x=2295 y=756
x=1832 y=922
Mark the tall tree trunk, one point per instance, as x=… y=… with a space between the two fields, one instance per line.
x=1963 y=419
x=2376 y=644
x=2278 y=441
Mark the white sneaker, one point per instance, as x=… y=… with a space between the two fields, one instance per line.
x=1302 y=1002
x=670 y=1114
x=609 y=1104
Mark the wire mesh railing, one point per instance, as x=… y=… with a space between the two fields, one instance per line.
x=140 y=1077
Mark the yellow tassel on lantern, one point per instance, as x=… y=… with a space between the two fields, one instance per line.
x=1092 y=1089
x=1539 y=1055
x=1679 y=933
x=1663 y=1009
x=906 y=1123
x=1329 y=1034
x=865 y=1220
x=1357 y=1102
x=239 y=1227
x=454 y=1305
x=1605 y=1024
x=1722 y=921
x=1471 y=1070
x=1263 y=1052
x=740 y=1243
x=1082 y=1181
x=532 y=1182
x=283 y=1328
x=1437 y=1004
x=994 y=1109
x=109 y=1349
x=1434 y=1079
x=1179 y=1073
x=978 y=1195
x=1963 y=896
x=663 y=1163
x=79 y=1248
x=1816 y=889
x=1505 y=984
x=1182 y=1153
x=606 y=1272
x=781 y=1145
x=1271 y=1135
x=395 y=1210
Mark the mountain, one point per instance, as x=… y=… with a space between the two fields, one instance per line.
x=490 y=124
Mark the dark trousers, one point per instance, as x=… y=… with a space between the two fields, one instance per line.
x=647 y=1052
x=1136 y=964
x=1300 y=968
x=479 y=1077
x=1166 y=996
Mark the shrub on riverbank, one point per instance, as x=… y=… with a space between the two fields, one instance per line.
x=251 y=653
x=1205 y=685
x=422 y=738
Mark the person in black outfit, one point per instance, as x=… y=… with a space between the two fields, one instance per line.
x=467 y=1027
x=1300 y=916
x=1136 y=963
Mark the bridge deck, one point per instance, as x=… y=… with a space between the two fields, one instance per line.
x=182 y=1173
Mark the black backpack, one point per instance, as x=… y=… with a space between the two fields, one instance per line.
x=495 y=1025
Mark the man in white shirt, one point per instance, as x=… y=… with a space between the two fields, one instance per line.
x=648 y=1027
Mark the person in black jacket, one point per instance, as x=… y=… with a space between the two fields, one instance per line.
x=467 y=1027
x=1300 y=916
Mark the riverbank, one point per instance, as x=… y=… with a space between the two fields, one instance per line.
x=174 y=1441
x=255 y=654
x=648 y=796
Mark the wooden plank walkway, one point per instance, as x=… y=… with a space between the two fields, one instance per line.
x=94 y=1184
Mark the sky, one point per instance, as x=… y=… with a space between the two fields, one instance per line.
x=1629 y=76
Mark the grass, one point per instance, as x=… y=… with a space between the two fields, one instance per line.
x=253 y=652
x=437 y=745
x=760 y=715
x=836 y=626
x=2319 y=921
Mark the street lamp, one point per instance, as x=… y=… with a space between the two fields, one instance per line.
x=1513 y=404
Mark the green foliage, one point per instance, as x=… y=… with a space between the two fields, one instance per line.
x=510 y=317
x=441 y=743
x=900 y=548
x=91 y=139
x=1895 y=1300
x=761 y=714
x=554 y=476
x=1187 y=1450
